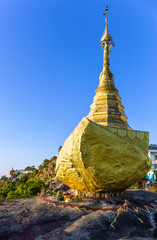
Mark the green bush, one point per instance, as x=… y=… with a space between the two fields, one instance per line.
x=27 y=186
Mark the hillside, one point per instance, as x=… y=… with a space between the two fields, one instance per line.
x=46 y=171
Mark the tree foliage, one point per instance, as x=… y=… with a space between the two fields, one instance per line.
x=3 y=178
x=26 y=186
x=30 y=168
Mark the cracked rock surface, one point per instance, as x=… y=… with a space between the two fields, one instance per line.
x=132 y=218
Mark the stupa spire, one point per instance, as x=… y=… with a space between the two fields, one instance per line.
x=106 y=43
x=107 y=109
x=106 y=77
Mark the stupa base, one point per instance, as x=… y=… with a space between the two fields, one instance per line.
x=101 y=195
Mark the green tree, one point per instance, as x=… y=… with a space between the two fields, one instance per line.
x=2 y=194
x=12 y=195
x=4 y=178
x=30 y=168
x=24 y=178
x=34 y=186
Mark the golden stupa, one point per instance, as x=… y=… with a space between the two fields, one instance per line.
x=103 y=154
x=12 y=172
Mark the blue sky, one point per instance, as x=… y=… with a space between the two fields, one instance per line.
x=50 y=61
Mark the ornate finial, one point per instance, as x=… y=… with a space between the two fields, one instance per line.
x=106 y=38
x=106 y=10
x=105 y=14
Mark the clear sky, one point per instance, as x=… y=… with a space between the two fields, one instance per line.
x=50 y=61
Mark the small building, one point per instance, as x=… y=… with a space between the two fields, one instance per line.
x=18 y=171
x=152 y=174
x=27 y=171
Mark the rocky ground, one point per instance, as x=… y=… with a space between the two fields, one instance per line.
x=133 y=216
